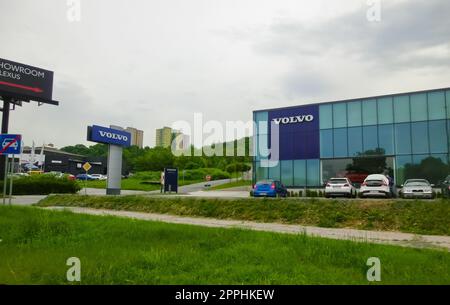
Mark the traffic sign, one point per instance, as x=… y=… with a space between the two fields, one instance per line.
x=10 y=144
x=87 y=166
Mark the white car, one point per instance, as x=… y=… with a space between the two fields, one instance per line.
x=98 y=177
x=417 y=188
x=376 y=186
x=340 y=187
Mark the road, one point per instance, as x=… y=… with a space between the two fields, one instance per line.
x=392 y=238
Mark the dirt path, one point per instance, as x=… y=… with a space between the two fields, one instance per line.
x=395 y=238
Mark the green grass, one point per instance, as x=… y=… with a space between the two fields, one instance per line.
x=232 y=184
x=131 y=184
x=36 y=243
x=420 y=217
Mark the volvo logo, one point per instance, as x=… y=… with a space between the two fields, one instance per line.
x=111 y=135
x=294 y=119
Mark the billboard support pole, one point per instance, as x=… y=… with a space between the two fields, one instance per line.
x=5 y=179
x=5 y=122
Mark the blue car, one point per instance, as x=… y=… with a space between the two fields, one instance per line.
x=84 y=177
x=269 y=188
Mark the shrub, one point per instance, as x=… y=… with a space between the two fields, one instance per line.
x=44 y=185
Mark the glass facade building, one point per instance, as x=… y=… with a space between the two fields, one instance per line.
x=403 y=135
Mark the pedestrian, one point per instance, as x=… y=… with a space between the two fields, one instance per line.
x=162 y=181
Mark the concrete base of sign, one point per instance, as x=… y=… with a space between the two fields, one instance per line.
x=110 y=191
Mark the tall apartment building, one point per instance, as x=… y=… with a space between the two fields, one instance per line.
x=137 y=136
x=163 y=137
x=166 y=135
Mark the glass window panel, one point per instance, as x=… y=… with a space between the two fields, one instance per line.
x=419 y=108
x=436 y=105
x=300 y=172
x=386 y=138
x=261 y=172
x=326 y=143
x=287 y=173
x=400 y=163
x=447 y=98
x=355 y=145
x=385 y=111
x=369 y=108
x=274 y=172
x=313 y=172
x=262 y=148
x=401 y=109
x=402 y=138
x=340 y=142
x=370 y=138
x=438 y=137
x=417 y=159
x=354 y=114
x=339 y=115
x=419 y=130
x=326 y=116
x=442 y=157
x=261 y=122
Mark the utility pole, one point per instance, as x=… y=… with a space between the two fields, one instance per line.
x=5 y=122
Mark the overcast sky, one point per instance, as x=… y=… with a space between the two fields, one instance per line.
x=147 y=64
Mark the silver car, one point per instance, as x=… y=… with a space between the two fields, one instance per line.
x=417 y=188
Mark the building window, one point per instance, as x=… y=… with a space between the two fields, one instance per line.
x=355 y=145
x=287 y=173
x=313 y=173
x=438 y=137
x=370 y=138
x=274 y=172
x=447 y=94
x=354 y=114
x=400 y=163
x=436 y=105
x=340 y=142
x=385 y=111
x=339 y=115
x=261 y=122
x=401 y=109
x=369 y=108
x=386 y=138
x=300 y=172
x=326 y=116
x=403 y=138
x=261 y=173
x=326 y=143
x=420 y=137
x=419 y=108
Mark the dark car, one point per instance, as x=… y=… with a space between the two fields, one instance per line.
x=445 y=187
x=84 y=177
x=269 y=188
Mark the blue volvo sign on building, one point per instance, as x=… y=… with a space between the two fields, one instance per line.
x=109 y=136
x=298 y=132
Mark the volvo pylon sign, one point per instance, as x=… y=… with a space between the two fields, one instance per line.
x=116 y=138
x=26 y=82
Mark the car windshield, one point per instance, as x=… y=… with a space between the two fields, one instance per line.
x=338 y=181
x=417 y=183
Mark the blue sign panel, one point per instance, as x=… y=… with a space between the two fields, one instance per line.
x=109 y=136
x=10 y=144
x=299 y=134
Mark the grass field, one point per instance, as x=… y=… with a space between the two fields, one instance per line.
x=421 y=217
x=36 y=243
x=131 y=184
x=232 y=184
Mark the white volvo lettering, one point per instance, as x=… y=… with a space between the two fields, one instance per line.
x=294 y=119
x=114 y=136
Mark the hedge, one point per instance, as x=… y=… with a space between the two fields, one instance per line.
x=43 y=185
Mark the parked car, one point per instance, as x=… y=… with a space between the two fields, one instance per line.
x=98 y=177
x=417 y=188
x=269 y=188
x=376 y=186
x=84 y=177
x=445 y=187
x=340 y=187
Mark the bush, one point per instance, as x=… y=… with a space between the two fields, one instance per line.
x=43 y=185
x=201 y=173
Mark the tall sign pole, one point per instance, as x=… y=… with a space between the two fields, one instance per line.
x=116 y=138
